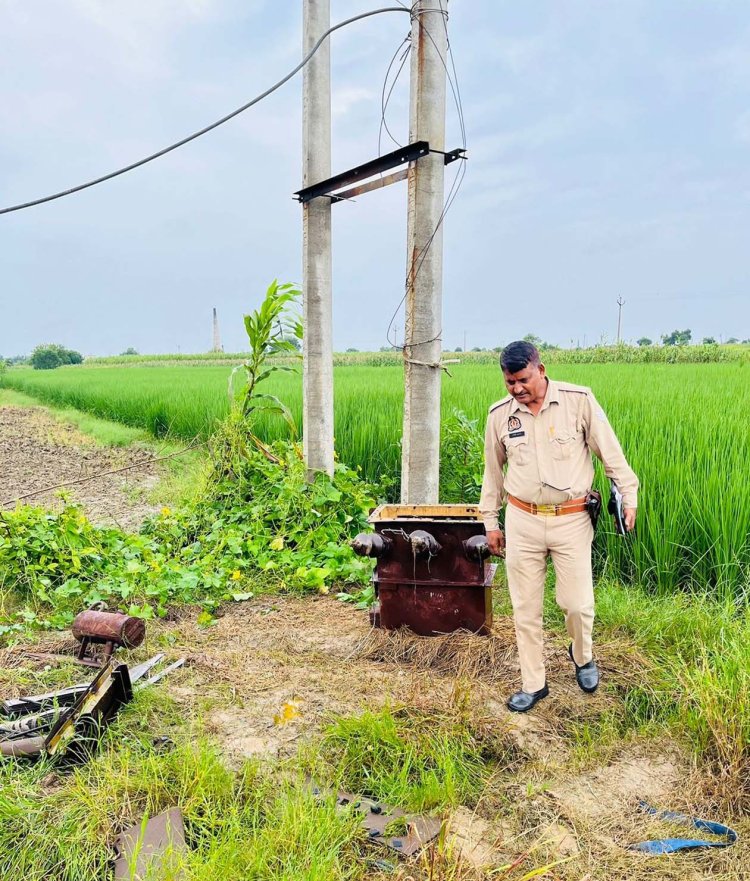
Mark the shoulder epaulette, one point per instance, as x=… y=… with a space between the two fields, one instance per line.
x=497 y=404
x=576 y=389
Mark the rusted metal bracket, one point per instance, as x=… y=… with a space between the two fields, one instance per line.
x=145 y=850
x=409 y=153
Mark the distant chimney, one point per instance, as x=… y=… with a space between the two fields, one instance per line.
x=217 y=338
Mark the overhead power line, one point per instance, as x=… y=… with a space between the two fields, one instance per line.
x=213 y=125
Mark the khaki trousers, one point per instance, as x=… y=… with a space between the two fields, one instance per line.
x=530 y=539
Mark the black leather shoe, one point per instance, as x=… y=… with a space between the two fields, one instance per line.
x=523 y=701
x=587 y=676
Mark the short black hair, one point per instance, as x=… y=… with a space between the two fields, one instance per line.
x=515 y=356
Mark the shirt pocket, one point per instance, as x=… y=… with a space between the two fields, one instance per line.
x=517 y=449
x=562 y=444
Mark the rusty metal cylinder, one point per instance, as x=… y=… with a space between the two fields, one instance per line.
x=123 y=630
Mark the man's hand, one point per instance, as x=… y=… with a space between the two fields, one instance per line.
x=629 y=517
x=496 y=541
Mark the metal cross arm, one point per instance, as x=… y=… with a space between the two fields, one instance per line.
x=402 y=156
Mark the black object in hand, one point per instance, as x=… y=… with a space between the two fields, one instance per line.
x=615 y=508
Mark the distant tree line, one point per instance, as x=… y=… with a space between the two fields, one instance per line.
x=48 y=356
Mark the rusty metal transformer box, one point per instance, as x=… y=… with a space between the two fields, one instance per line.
x=432 y=572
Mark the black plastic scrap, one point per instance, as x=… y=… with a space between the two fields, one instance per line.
x=376 y=817
x=147 y=849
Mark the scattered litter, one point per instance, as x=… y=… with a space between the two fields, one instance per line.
x=162 y=673
x=161 y=743
x=289 y=711
x=152 y=848
x=65 y=697
x=672 y=845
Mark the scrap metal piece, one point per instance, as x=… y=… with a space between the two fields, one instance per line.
x=78 y=725
x=109 y=690
x=26 y=747
x=161 y=674
x=34 y=722
x=66 y=697
x=376 y=818
x=35 y=703
x=149 y=847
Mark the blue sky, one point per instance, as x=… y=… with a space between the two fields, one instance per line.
x=609 y=150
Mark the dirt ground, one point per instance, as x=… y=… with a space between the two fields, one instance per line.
x=267 y=675
x=314 y=655
x=37 y=451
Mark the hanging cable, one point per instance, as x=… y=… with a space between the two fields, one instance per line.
x=385 y=99
x=213 y=125
x=419 y=258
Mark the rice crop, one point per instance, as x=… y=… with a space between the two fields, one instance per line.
x=684 y=427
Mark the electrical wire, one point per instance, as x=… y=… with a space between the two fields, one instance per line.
x=213 y=125
x=385 y=99
x=420 y=258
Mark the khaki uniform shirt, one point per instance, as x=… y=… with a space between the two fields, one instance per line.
x=548 y=456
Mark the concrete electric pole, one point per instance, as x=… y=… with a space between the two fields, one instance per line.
x=420 y=463
x=620 y=304
x=316 y=256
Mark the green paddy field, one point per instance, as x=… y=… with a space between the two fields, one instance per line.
x=684 y=427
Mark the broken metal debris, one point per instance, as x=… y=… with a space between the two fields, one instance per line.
x=66 y=697
x=162 y=673
x=72 y=718
x=96 y=627
x=377 y=818
x=108 y=690
x=148 y=848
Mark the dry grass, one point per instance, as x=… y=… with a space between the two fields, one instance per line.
x=462 y=654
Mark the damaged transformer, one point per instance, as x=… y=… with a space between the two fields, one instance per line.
x=433 y=573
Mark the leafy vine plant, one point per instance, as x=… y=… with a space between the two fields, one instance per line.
x=273 y=329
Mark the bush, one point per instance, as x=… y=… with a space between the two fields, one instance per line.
x=49 y=356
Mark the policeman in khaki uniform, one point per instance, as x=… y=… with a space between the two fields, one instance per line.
x=538 y=447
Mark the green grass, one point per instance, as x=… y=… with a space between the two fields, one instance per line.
x=698 y=677
x=684 y=428
x=262 y=823
x=403 y=757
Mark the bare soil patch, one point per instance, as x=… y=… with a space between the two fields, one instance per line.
x=37 y=451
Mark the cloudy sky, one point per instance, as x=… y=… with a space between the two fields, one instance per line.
x=609 y=150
